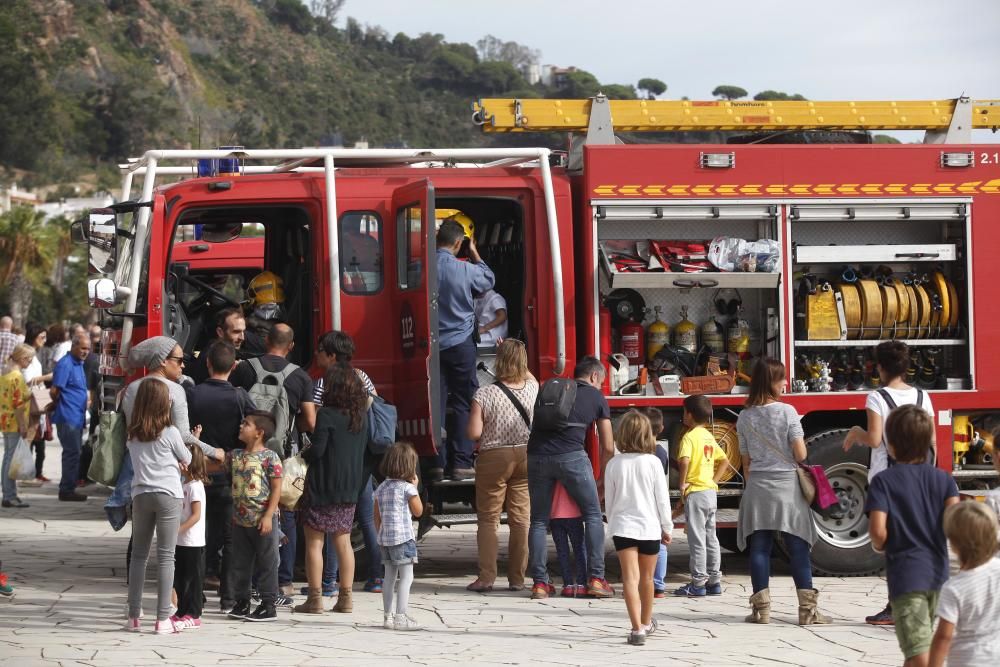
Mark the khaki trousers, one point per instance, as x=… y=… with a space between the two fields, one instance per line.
x=502 y=480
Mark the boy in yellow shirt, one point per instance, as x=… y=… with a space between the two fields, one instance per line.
x=701 y=463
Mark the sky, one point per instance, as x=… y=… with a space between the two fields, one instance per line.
x=848 y=50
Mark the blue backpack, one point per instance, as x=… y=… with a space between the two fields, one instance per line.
x=381 y=426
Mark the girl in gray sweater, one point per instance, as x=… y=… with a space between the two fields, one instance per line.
x=158 y=455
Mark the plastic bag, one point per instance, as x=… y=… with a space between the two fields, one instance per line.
x=109 y=452
x=732 y=254
x=293 y=484
x=22 y=464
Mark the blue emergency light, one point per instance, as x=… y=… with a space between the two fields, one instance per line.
x=221 y=166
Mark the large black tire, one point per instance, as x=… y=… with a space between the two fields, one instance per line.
x=843 y=548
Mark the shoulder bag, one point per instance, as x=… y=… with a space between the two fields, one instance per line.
x=517 y=404
x=813 y=483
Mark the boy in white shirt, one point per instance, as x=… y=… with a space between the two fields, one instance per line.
x=969 y=604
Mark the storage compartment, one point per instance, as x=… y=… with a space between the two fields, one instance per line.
x=662 y=292
x=874 y=272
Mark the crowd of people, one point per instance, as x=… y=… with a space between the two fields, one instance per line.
x=204 y=474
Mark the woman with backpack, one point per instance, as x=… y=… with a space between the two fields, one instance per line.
x=500 y=421
x=893 y=359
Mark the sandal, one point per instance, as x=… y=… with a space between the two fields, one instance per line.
x=479 y=586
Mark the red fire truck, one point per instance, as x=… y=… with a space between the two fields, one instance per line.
x=825 y=249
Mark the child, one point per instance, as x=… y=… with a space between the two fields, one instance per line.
x=256 y=472
x=189 y=573
x=397 y=501
x=701 y=464
x=893 y=359
x=969 y=605
x=638 y=508
x=905 y=505
x=566 y=524
x=157 y=453
x=663 y=453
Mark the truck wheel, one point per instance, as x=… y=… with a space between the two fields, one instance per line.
x=843 y=548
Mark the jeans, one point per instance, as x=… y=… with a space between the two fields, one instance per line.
x=761 y=542
x=564 y=533
x=660 y=573
x=705 y=555
x=219 y=538
x=160 y=512
x=189 y=577
x=364 y=512
x=331 y=565
x=121 y=497
x=286 y=551
x=255 y=556
x=10 y=442
x=502 y=479
x=71 y=440
x=459 y=382
x=574 y=471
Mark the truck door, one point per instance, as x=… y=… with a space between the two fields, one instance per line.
x=415 y=314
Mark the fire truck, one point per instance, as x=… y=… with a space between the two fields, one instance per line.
x=794 y=238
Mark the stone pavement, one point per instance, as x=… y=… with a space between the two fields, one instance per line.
x=68 y=567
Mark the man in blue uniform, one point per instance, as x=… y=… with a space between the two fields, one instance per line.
x=457 y=282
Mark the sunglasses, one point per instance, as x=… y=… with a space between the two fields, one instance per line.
x=179 y=360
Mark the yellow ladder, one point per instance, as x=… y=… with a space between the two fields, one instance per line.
x=547 y=115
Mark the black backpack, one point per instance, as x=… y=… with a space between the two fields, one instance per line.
x=931 y=453
x=554 y=405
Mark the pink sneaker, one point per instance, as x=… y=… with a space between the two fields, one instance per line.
x=132 y=625
x=167 y=627
x=191 y=623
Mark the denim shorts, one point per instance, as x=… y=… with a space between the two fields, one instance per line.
x=400 y=554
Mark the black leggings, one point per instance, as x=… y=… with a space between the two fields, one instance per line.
x=39 y=447
x=189 y=575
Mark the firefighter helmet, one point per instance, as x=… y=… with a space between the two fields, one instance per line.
x=265 y=288
x=458 y=216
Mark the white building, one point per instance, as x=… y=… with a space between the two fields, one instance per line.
x=73 y=207
x=14 y=196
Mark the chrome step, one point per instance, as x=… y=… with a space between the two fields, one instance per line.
x=449 y=520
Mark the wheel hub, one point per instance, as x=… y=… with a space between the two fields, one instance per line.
x=850 y=483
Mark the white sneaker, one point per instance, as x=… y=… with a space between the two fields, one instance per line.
x=387 y=622
x=133 y=625
x=404 y=622
x=651 y=628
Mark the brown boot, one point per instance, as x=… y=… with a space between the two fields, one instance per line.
x=313 y=603
x=760 y=602
x=808 y=613
x=344 y=604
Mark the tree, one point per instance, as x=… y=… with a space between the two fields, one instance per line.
x=885 y=139
x=493 y=48
x=327 y=9
x=729 y=92
x=24 y=256
x=769 y=95
x=578 y=85
x=618 y=91
x=652 y=87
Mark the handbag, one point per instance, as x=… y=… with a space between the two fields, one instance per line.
x=813 y=484
x=41 y=399
x=109 y=451
x=294 y=470
x=381 y=426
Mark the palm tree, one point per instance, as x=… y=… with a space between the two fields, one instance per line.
x=25 y=256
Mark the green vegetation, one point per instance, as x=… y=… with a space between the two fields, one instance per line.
x=86 y=84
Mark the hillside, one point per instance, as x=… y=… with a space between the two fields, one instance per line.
x=86 y=84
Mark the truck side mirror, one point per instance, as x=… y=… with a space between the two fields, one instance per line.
x=78 y=231
x=102 y=237
x=103 y=293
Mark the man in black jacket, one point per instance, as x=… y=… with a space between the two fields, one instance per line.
x=218 y=407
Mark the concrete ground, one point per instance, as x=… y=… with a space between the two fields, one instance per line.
x=68 y=568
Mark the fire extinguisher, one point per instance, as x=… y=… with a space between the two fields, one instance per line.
x=606 y=346
x=633 y=338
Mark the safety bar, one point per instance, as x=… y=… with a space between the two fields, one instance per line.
x=148 y=166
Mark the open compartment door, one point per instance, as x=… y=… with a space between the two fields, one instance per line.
x=415 y=309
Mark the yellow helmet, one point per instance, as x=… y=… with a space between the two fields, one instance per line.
x=458 y=216
x=266 y=288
